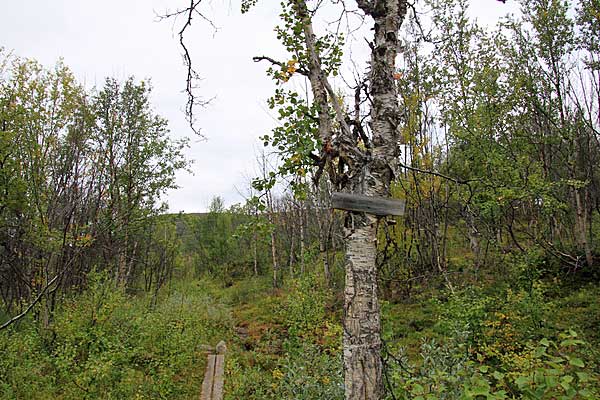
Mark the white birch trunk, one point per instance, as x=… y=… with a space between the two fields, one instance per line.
x=362 y=326
x=371 y=174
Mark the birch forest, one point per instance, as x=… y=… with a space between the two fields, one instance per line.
x=477 y=278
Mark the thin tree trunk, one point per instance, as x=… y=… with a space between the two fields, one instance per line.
x=132 y=263
x=274 y=257
x=323 y=239
x=323 y=253
x=581 y=227
x=473 y=239
x=273 y=244
x=292 y=249
x=302 y=238
x=255 y=251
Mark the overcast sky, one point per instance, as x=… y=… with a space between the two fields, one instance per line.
x=119 y=38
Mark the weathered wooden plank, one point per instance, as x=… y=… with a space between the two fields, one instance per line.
x=212 y=385
x=208 y=382
x=368 y=204
x=217 y=391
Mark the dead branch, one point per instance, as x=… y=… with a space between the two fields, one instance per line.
x=192 y=77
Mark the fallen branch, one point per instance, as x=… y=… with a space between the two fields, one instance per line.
x=30 y=307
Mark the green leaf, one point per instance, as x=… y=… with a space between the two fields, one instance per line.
x=551 y=381
x=577 y=362
x=583 y=376
x=417 y=389
x=566 y=386
x=567 y=379
x=539 y=351
x=571 y=342
x=586 y=393
x=522 y=381
x=572 y=333
x=481 y=391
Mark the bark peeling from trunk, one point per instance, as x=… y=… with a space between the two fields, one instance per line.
x=362 y=343
x=363 y=365
x=369 y=173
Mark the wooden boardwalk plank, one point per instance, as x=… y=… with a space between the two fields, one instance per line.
x=212 y=385
x=207 y=384
x=217 y=391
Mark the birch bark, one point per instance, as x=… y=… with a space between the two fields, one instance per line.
x=371 y=174
x=362 y=342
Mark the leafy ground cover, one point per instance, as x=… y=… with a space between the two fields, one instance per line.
x=104 y=344
x=494 y=344
x=488 y=342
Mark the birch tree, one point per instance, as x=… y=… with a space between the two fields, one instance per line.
x=359 y=158
x=81 y=178
x=357 y=153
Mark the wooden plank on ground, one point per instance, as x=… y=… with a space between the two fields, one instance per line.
x=212 y=385
x=368 y=204
x=207 y=384
x=217 y=391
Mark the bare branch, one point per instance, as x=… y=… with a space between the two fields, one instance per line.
x=33 y=303
x=192 y=76
x=422 y=171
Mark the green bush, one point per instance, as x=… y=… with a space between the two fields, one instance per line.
x=502 y=343
x=303 y=310
x=464 y=311
x=303 y=372
x=543 y=370
x=298 y=353
x=105 y=344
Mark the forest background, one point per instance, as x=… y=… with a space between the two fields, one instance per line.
x=488 y=282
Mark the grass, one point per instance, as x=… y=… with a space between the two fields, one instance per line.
x=286 y=343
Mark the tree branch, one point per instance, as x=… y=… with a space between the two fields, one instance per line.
x=422 y=171
x=192 y=76
x=301 y=71
x=30 y=307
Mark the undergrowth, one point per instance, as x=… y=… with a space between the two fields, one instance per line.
x=104 y=344
x=525 y=339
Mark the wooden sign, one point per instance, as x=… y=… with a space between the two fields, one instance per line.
x=368 y=204
x=212 y=386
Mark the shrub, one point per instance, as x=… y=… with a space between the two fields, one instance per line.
x=105 y=344
x=543 y=370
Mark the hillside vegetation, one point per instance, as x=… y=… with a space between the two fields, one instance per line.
x=488 y=284
x=507 y=335
x=286 y=344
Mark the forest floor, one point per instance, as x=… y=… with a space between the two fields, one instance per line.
x=484 y=341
